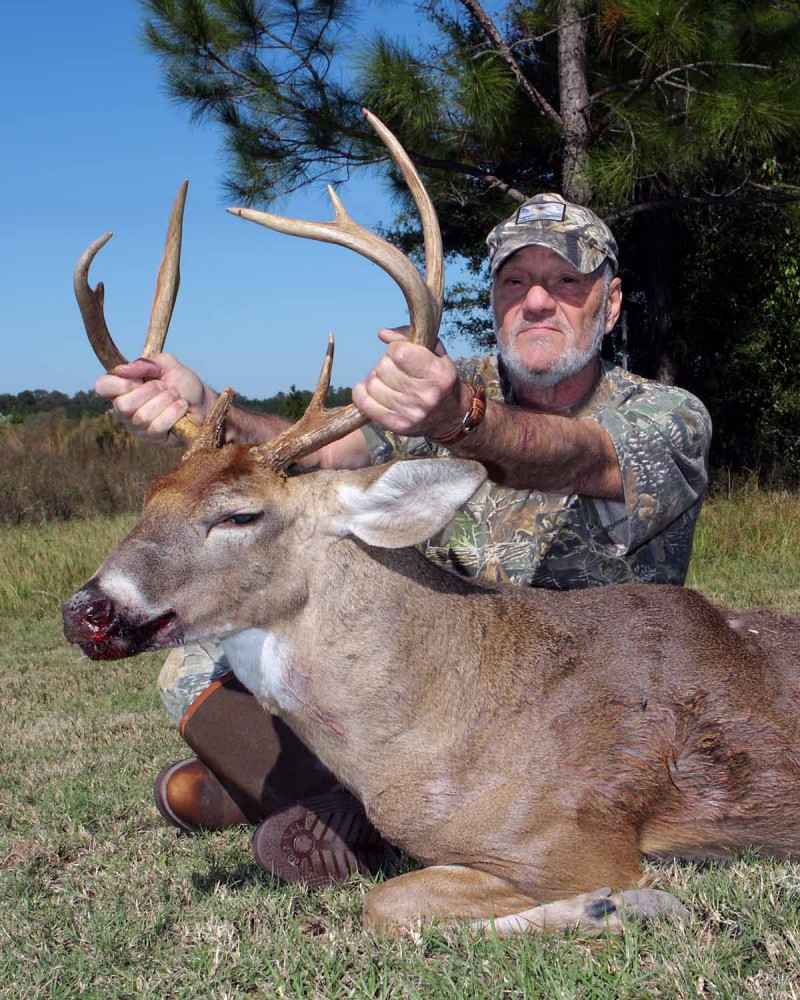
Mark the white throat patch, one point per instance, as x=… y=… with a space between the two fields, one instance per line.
x=263 y=663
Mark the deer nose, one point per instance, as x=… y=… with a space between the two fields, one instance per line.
x=90 y=617
x=99 y=613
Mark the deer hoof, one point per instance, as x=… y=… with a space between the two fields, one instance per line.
x=646 y=904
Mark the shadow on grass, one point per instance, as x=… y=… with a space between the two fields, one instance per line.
x=239 y=876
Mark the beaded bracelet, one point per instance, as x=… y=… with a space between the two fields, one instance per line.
x=473 y=416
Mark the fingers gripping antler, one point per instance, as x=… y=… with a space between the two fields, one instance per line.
x=318 y=426
x=90 y=303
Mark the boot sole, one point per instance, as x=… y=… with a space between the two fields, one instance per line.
x=321 y=841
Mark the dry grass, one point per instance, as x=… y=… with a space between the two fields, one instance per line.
x=52 y=467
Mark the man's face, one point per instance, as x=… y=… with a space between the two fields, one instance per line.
x=550 y=318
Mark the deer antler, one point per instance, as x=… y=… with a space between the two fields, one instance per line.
x=318 y=427
x=90 y=303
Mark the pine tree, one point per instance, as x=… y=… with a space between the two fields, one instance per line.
x=674 y=119
x=621 y=104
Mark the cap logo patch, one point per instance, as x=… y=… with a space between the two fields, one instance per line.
x=541 y=211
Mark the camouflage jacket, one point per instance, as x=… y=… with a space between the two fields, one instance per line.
x=527 y=537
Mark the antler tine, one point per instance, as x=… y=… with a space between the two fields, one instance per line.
x=315 y=428
x=423 y=312
x=90 y=303
x=212 y=431
x=168 y=279
x=317 y=401
x=424 y=297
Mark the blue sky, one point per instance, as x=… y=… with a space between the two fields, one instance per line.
x=92 y=143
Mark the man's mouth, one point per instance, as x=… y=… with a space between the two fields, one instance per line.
x=538 y=329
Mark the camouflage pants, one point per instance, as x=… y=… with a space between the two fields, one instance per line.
x=187 y=672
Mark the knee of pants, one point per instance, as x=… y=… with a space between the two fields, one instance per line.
x=187 y=672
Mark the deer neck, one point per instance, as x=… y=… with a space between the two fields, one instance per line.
x=339 y=670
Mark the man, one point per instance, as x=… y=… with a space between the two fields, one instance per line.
x=596 y=476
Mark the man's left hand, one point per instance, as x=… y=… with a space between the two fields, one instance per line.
x=411 y=391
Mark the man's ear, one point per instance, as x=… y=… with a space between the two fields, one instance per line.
x=408 y=502
x=614 y=304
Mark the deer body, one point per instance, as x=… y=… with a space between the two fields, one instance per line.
x=475 y=709
x=539 y=741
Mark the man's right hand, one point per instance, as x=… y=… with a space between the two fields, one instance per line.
x=150 y=395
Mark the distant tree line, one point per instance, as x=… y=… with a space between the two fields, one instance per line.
x=15 y=408
x=292 y=404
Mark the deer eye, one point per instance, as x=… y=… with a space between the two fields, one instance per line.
x=244 y=518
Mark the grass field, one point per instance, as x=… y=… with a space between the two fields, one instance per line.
x=99 y=898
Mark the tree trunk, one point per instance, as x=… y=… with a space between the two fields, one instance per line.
x=574 y=91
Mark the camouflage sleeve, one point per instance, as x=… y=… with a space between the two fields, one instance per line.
x=383 y=446
x=661 y=435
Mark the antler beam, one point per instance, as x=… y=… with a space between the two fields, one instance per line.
x=90 y=303
x=424 y=297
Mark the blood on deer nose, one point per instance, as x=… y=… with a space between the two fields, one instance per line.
x=99 y=614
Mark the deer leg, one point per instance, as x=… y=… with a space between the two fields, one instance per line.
x=567 y=858
x=497 y=907
x=442 y=891
x=590 y=913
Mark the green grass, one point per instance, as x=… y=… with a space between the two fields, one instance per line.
x=41 y=565
x=747 y=550
x=99 y=898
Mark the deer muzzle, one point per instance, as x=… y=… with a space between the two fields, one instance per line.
x=105 y=632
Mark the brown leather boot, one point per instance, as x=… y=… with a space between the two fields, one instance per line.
x=250 y=764
x=191 y=797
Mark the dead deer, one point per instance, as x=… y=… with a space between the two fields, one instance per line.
x=527 y=746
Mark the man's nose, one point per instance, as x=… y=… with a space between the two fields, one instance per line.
x=538 y=300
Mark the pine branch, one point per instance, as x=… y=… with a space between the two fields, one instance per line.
x=687 y=88
x=772 y=187
x=769 y=196
x=232 y=70
x=302 y=59
x=492 y=180
x=640 y=83
x=490 y=30
x=523 y=42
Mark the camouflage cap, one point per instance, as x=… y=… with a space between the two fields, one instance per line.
x=548 y=220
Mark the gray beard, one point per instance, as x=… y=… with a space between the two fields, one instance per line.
x=572 y=361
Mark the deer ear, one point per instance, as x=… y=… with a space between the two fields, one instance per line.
x=409 y=501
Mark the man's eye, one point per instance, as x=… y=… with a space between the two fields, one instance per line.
x=244 y=518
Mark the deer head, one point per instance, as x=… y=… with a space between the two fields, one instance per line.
x=226 y=544
x=200 y=518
